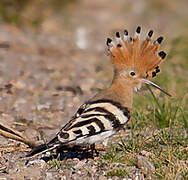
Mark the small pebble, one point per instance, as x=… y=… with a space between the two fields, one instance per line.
x=146 y=166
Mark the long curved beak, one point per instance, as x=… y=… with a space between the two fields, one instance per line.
x=154 y=85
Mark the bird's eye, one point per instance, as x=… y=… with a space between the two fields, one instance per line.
x=132 y=73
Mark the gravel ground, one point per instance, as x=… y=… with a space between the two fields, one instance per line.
x=45 y=76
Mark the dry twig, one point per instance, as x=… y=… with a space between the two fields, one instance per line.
x=8 y=132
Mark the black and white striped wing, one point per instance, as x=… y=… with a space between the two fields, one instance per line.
x=94 y=121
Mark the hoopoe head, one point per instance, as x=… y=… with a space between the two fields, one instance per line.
x=135 y=61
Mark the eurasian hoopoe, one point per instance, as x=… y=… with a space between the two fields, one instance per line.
x=107 y=112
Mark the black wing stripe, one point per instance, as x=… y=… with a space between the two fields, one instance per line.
x=98 y=109
x=110 y=116
x=91 y=115
x=99 y=123
x=92 y=130
x=89 y=121
x=115 y=122
x=125 y=110
x=77 y=131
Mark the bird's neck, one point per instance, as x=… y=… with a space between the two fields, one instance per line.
x=119 y=91
x=123 y=92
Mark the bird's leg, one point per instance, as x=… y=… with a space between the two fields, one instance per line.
x=93 y=150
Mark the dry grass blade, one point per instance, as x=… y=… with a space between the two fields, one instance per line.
x=12 y=149
x=8 y=132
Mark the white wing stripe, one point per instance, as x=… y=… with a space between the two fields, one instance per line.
x=111 y=108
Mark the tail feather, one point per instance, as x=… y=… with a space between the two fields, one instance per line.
x=44 y=147
x=36 y=150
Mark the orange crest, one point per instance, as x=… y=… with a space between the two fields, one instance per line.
x=131 y=52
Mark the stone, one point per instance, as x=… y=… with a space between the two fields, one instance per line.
x=146 y=167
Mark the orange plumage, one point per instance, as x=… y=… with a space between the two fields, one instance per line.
x=139 y=55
